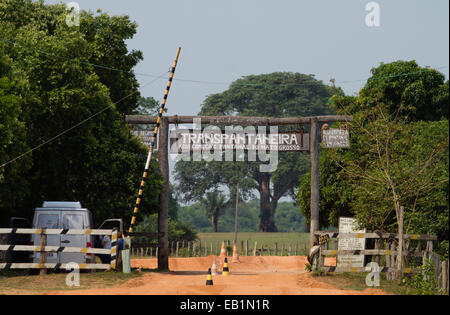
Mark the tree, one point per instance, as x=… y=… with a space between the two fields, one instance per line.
x=13 y=184
x=95 y=159
x=214 y=204
x=270 y=95
x=396 y=159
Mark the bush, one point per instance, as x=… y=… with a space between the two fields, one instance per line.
x=177 y=230
x=424 y=282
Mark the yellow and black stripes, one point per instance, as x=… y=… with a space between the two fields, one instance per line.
x=55 y=231
x=54 y=266
x=114 y=250
x=53 y=249
x=155 y=134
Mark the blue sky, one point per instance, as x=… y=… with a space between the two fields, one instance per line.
x=223 y=40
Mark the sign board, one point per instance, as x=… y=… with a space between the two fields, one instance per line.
x=184 y=140
x=335 y=138
x=146 y=136
x=347 y=225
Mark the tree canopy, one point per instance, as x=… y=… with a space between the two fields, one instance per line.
x=279 y=94
x=398 y=155
x=70 y=85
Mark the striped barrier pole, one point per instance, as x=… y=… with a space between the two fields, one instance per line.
x=149 y=157
x=114 y=249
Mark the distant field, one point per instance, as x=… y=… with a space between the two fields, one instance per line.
x=268 y=240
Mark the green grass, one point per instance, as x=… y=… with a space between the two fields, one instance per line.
x=357 y=282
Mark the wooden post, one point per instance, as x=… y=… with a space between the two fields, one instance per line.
x=393 y=248
x=246 y=248
x=43 y=254
x=276 y=249
x=262 y=250
x=388 y=260
x=189 y=249
x=289 y=251
x=296 y=249
x=315 y=195
x=254 y=248
x=282 y=250
x=236 y=216
x=163 y=215
x=378 y=243
x=400 y=245
x=178 y=246
x=444 y=285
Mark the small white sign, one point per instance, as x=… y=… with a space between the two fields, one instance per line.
x=348 y=225
x=336 y=138
x=146 y=136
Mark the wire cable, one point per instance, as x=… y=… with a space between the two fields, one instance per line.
x=78 y=124
x=234 y=84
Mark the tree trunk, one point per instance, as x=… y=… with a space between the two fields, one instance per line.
x=267 y=204
x=267 y=208
x=214 y=223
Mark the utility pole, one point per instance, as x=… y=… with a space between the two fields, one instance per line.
x=236 y=215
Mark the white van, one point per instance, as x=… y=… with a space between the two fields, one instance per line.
x=63 y=215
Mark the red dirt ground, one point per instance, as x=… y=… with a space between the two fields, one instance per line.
x=251 y=276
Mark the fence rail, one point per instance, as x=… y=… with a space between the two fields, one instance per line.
x=43 y=249
x=390 y=241
x=202 y=249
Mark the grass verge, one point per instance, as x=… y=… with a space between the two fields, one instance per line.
x=357 y=282
x=19 y=282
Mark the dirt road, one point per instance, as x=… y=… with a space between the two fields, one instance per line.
x=251 y=276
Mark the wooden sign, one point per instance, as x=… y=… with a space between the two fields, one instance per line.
x=348 y=225
x=183 y=141
x=335 y=138
x=146 y=136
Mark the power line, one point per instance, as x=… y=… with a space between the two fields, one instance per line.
x=234 y=84
x=77 y=125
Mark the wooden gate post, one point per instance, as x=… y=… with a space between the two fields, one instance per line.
x=43 y=254
x=163 y=215
x=314 y=154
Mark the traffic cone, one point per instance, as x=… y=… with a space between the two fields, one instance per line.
x=209 y=279
x=214 y=268
x=235 y=254
x=226 y=271
x=223 y=252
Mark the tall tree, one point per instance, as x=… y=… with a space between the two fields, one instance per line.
x=397 y=158
x=13 y=137
x=270 y=95
x=95 y=159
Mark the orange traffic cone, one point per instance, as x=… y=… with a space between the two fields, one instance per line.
x=235 y=254
x=223 y=252
x=226 y=271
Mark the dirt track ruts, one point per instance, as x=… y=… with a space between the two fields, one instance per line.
x=251 y=276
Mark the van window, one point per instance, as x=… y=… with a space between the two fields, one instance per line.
x=73 y=221
x=48 y=221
